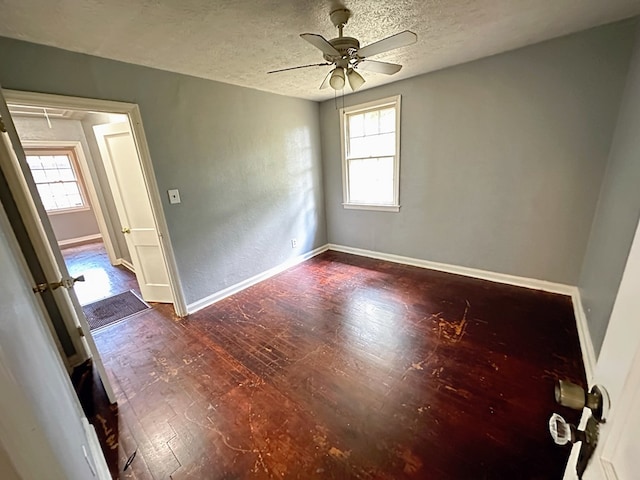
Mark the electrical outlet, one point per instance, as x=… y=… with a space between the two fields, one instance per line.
x=174 y=196
x=294 y=242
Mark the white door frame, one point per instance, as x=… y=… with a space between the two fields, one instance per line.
x=41 y=236
x=132 y=111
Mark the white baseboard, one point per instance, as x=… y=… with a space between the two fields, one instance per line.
x=126 y=264
x=586 y=345
x=458 y=270
x=216 y=297
x=79 y=240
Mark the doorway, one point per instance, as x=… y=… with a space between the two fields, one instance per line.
x=62 y=153
x=122 y=241
x=74 y=327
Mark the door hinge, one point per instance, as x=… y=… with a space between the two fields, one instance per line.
x=3 y=129
x=40 y=288
x=80 y=331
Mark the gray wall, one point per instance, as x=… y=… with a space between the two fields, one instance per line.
x=66 y=226
x=501 y=158
x=247 y=163
x=617 y=214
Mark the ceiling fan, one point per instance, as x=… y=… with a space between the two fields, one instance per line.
x=347 y=56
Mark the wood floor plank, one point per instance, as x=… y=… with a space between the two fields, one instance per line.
x=347 y=367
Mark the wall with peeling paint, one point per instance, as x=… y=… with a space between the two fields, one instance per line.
x=501 y=159
x=617 y=214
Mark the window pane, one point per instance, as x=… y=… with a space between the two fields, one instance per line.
x=371 y=123
x=66 y=174
x=387 y=120
x=34 y=162
x=384 y=144
x=75 y=200
x=372 y=146
x=47 y=198
x=62 y=161
x=356 y=125
x=52 y=175
x=360 y=147
x=371 y=181
x=71 y=188
x=48 y=161
x=57 y=189
x=39 y=176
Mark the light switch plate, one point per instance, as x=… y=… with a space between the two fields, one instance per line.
x=174 y=196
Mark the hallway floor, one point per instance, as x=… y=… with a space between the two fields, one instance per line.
x=343 y=367
x=101 y=278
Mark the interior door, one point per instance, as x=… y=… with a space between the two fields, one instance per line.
x=620 y=452
x=131 y=198
x=618 y=370
x=44 y=243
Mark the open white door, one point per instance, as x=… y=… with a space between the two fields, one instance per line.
x=23 y=189
x=131 y=197
x=618 y=370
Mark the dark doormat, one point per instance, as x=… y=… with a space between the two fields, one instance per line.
x=113 y=309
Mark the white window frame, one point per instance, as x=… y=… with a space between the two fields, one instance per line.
x=75 y=166
x=344 y=136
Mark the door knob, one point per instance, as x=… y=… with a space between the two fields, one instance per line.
x=126 y=230
x=564 y=433
x=64 y=282
x=575 y=397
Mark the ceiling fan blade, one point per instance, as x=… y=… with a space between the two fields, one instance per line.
x=325 y=82
x=320 y=42
x=379 y=67
x=398 y=40
x=301 y=66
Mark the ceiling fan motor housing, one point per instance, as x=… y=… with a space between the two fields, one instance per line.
x=347 y=46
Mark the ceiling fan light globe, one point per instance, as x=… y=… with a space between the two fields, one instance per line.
x=337 y=79
x=355 y=79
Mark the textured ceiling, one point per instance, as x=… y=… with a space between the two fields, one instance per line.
x=238 y=41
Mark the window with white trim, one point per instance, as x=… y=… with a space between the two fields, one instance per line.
x=55 y=173
x=370 y=136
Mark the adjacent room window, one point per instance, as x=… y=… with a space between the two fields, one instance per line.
x=370 y=135
x=55 y=173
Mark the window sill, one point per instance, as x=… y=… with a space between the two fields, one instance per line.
x=62 y=211
x=377 y=208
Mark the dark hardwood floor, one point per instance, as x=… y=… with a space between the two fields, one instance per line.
x=342 y=367
x=101 y=278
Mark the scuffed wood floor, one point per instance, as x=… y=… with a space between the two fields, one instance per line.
x=343 y=367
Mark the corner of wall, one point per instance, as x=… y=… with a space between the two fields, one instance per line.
x=589 y=357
